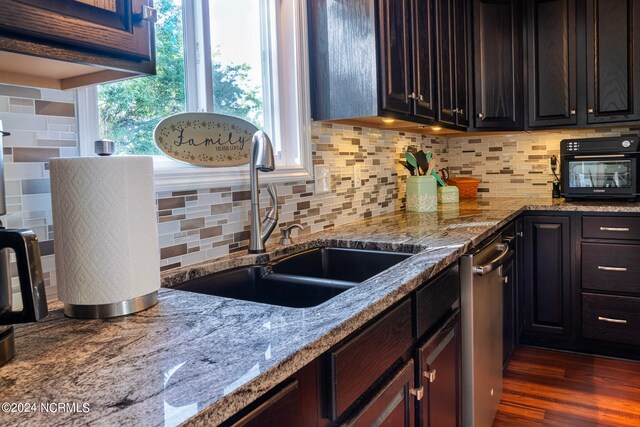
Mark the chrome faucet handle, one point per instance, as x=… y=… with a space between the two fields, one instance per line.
x=286 y=234
x=271 y=220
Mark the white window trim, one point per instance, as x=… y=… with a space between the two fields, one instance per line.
x=170 y=175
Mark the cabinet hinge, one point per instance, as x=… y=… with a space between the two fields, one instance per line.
x=430 y=375
x=417 y=392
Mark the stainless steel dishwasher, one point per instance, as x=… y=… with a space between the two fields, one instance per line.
x=481 y=304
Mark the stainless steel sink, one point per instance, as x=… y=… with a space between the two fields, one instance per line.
x=302 y=280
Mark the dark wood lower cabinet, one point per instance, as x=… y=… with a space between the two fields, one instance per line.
x=438 y=375
x=511 y=290
x=547 y=275
x=353 y=367
x=281 y=410
x=403 y=368
x=393 y=405
x=509 y=322
x=611 y=318
x=580 y=279
x=294 y=403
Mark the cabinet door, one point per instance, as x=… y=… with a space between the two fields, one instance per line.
x=497 y=64
x=551 y=41
x=439 y=369
x=393 y=405
x=547 y=274
x=460 y=53
x=113 y=26
x=395 y=56
x=613 y=60
x=424 y=58
x=446 y=63
x=509 y=313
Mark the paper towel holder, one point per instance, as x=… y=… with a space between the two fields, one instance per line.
x=102 y=280
x=104 y=147
x=116 y=309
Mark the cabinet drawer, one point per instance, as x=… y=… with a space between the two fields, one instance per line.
x=609 y=267
x=392 y=406
x=611 y=227
x=280 y=410
x=434 y=301
x=611 y=318
x=356 y=365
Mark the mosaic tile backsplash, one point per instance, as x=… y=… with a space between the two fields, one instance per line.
x=207 y=223
x=42 y=124
x=514 y=165
x=202 y=224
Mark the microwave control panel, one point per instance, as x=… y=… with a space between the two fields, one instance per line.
x=613 y=145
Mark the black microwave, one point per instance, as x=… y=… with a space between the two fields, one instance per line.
x=600 y=168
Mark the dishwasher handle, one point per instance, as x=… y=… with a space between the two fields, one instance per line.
x=505 y=253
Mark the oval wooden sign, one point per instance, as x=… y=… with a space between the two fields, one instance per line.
x=205 y=139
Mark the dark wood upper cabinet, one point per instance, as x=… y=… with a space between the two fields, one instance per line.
x=497 y=64
x=446 y=61
x=452 y=62
x=395 y=56
x=400 y=58
x=344 y=70
x=613 y=60
x=551 y=62
x=91 y=41
x=111 y=25
x=461 y=53
x=462 y=63
x=424 y=71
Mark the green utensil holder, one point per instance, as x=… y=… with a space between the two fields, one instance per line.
x=448 y=194
x=422 y=194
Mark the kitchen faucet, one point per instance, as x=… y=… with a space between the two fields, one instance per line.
x=261 y=160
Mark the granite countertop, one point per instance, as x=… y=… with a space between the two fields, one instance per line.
x=202 y=358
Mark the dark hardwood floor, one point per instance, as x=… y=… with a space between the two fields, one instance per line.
x=553 y=388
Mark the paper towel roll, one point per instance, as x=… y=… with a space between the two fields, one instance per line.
x=105 y=235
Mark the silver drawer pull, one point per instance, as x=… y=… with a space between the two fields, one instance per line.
x=609 y=320
x=618 y=229
x=430 y=375
x=417 y=392
x=605 y=268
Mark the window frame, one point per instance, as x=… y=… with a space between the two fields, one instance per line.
x=289 y=63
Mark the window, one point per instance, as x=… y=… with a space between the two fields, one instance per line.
x=245 y=58
x=129 y=111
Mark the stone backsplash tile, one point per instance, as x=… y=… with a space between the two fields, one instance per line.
x=48 y=108
x=42 y=124
x=34 y=155
x=513 y=165
x=24 y=92
x=226 y=221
